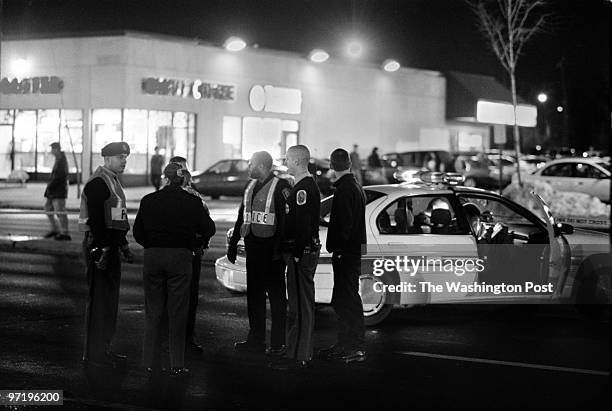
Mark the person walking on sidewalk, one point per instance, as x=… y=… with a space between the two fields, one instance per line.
x=167 y=225
x=191 y=341
x=346 y=238
x=301 y=252
x=157 y=162
x=260 y=222
x=356 y=164
x=103 y=218
x=55 y=194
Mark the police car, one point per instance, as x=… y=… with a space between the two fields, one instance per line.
x=423 y=247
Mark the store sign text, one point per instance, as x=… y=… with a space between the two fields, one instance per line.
x=34 y=85
x=196 y=89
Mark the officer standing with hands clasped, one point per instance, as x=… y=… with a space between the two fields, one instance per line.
x=103 y=217
x=346 y=238
x=260 y=222
x=301 y=252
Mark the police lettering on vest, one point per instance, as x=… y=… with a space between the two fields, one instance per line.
x=259 y=217
x=115 y=211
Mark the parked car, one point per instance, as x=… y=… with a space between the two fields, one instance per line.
x=582 y=175
x=395 y=164
x=483 y=172
x=229 y=177
x=540 y=250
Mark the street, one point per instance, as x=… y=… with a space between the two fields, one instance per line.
x=450 y=356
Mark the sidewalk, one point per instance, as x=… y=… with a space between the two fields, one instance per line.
x=31 y=196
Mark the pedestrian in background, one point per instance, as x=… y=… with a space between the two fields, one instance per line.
x=191 y=341
x=301 y=253
x=346 y=239
x=356 y=164
x=157 y=162
x=167 y=225
x=56 y=193
x=374 y=160
x=103 y=217
x=260 y=222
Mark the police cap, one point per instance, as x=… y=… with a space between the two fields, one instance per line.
x=115 y=149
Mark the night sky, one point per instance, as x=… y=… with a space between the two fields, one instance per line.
x=431 y=34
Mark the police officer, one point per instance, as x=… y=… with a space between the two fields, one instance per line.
x=167 y=225
x=346 y=238
x=103 y=217
x=301 y=253
x=196 y=268
x=260 y=221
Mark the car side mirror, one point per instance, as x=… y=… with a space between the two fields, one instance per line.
x=564 y=229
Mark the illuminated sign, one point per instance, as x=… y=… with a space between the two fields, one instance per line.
x=276 y=99
x=34 y=85
x=503 y=113
x=196 y=89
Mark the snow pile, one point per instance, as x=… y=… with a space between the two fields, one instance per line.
x=560 y=203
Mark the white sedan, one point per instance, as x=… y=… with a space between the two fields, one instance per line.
x=421 y=249
x=581 y=175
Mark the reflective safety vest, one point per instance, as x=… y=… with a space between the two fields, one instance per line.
x=115 y=211
x=258 y=216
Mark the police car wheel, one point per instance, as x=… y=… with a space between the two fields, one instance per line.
x=376 y=305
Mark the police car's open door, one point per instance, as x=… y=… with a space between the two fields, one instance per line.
x=558 y=255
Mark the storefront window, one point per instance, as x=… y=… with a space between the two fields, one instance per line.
x=48 y=132
x=71 y=137
x=191 y=125
x=271 y=134
x=6 y=142
x=106 y=127
x=135 y=134
x=232 y=136
x=25 y=140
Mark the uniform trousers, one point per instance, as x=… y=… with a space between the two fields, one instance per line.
x=166 y=276
x=194 y=293
x=300 y=318
x=265 y=275
x=346 y=300
x=102 y=302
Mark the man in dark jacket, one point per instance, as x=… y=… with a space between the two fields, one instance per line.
x=56 y=193
x=346 y=238
x=167 y=225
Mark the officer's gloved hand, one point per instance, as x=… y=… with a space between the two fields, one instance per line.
x=232 y=251
x=127 y=254
x=102 y=262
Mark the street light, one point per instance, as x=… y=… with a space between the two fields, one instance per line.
x=234 y=44
x=318 y=56
x=391 y=65
x=542 y=97
x=354 y=49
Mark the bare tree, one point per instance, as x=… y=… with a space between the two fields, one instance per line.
x=509 y=25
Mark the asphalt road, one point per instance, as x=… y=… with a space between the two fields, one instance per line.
x=452 y=356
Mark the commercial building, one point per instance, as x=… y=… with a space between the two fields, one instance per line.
x=206 y=103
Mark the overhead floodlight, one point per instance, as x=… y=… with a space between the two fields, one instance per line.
x=318 y=56
x=234 y=44
x=354 y=49
x=391 y=65
x=20 y=67
x=560 y=109
x=542 y=97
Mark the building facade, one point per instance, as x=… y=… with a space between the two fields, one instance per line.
x=205 y=103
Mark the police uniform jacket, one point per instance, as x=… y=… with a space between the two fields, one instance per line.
x=172 y=218
x=103 y=210
x=347 y=232
x=302 y=221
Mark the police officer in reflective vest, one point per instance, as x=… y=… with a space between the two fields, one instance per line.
x=260 y=222
x=103 y=217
